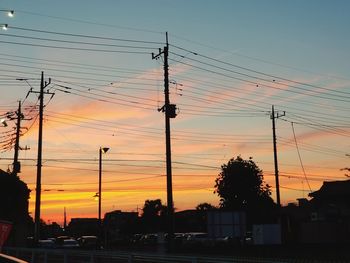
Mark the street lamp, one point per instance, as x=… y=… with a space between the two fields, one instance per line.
x=3 y=122
x=95 y=197
x=99 y=194
x=10 y=13
x=4 y=26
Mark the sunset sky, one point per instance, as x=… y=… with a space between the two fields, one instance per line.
x=230 y=61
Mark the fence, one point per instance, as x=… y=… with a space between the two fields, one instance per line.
x=82 y=256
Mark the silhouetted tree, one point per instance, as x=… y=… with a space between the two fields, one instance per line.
x=202 y=215
x=346 y=169
x=153 y=215
x=14 y=195
x=240 y=186
x=152 y=208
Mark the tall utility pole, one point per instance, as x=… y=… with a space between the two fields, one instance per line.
x=100 y=152
x=64 y=219
x=43 y=85
x=18 y=116
x=273 y=117
x=16 y=163
x=99 y=189
x=170 y=112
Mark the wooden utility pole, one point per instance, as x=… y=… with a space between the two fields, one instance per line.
x=43 y=85
x=273 y=117
x=170 y=112
x=16 y=163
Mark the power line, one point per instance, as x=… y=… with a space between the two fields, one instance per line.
x=75 y=72
x=301 y=162
x=257 y=92
x=85 y=36
x=73 y=64
x=309 y=92
x=253 y=58
x=317 y=127
x=89 y=22
x=75 y=48
x=251 y=70
x=76 y=42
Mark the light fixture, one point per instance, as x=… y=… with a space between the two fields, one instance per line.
x=104 y=149
x=11 y=13
x=3 y=122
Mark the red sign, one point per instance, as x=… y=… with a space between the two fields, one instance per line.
x=5 y=228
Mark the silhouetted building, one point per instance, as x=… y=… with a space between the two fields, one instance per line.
x=329 y=214
x=51 y=230
x=331 y=202
x=227 y=224
x=119 y=225
x=190 y=221
x=78 y=227
x=323 y=219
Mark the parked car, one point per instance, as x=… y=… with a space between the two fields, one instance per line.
x=149 y=239
x=70 y=243
x=89 y=242
x=197 y=238
x=46 y=243
x=135 y=239
x=60 y=239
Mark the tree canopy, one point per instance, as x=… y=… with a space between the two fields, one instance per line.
x=153 y=216
x=153 y=208
x=14 y=195
x=240 y=186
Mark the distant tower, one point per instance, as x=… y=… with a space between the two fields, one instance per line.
x=65 y=219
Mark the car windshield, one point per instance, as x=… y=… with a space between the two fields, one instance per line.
x=70 y=242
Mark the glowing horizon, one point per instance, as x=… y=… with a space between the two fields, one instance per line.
x=227 y=69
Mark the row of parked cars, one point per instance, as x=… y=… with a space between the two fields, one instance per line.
x=66 y=242
x=92 y=242
x=191 y=238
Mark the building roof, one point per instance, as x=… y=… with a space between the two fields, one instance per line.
x=333 y=188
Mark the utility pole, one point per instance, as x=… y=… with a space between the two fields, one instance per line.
x=64 y=220
x=170 y=112
x=99 y=190
x=273 y=117
x=18 y=116
x=43 y=85
x=100 y=152
x=16 y=163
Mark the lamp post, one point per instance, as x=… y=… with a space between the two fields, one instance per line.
x=10 y=13
x=101 y=151
x=3 y=122
x=4 y=26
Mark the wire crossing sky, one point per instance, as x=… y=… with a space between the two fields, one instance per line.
x=229 y=62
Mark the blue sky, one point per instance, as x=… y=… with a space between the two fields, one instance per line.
x=231 y=60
